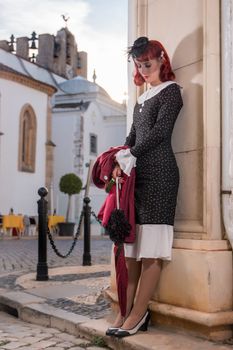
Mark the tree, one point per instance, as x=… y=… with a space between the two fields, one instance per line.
x=70 y=184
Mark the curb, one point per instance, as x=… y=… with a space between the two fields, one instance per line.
x=35 y=310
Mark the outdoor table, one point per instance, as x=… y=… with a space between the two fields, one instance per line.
x=13 y=221
x=54 y=220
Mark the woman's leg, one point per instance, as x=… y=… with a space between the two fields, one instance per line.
x=150 y=274
x=134 y=271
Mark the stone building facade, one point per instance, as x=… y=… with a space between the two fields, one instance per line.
x=65 y=114
x=85 y=123
x=195 y=289
x=26 y=157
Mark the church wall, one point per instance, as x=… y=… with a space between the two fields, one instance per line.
x=110 y=127
x=102 y=119
x=108 y=123
x=19 y=189
x=63 y=134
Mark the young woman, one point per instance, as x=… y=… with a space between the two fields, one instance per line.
x=157 y=180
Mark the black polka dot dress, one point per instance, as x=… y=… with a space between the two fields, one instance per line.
x=157 y=174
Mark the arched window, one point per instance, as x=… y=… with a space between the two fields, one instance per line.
x=27 y=140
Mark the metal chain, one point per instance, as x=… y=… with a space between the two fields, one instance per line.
x=74 y=241
x=96 y=217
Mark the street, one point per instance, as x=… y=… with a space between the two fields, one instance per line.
x=22 y=254
x=72 y=291
x=19 y=256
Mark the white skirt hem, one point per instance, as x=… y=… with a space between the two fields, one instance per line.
x=152 y=242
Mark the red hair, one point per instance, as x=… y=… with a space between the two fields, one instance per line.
x=154 y=50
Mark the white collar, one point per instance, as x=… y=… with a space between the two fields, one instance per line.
x=154 y=90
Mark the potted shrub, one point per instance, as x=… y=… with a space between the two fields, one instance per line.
x=69 y=184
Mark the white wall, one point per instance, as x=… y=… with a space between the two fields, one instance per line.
x=102 y=119
x=110 y=127
x=64 y=124
x=19 y=189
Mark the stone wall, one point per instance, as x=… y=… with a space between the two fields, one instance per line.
x=58 y=53
x=190 y=293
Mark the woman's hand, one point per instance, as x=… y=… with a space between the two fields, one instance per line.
x=116 y=172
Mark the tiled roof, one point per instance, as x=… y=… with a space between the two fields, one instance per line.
x=7 y=69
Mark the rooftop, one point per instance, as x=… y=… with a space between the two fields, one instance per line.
x=80 y=85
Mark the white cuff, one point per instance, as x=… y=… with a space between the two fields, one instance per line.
x=126 y=160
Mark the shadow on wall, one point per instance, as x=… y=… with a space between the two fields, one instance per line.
x=187 y=62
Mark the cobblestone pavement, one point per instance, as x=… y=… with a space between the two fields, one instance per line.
x=22 y=255
x=18 y=257
x=16 y=334
x=91 y=304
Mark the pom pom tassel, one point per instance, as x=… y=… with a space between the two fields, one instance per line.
x=118 y=227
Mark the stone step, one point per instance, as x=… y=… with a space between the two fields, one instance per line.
x=35 y=310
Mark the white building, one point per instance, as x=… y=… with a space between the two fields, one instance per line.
x=25 y=117
x=86 y=122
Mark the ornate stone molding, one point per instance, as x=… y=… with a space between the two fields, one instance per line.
x=10 y=74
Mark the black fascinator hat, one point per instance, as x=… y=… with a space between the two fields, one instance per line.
x=139 y=47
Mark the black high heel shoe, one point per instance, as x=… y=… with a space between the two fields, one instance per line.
x=112 y=330
x=142 y=325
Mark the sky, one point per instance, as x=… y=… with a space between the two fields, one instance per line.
x=99 y=26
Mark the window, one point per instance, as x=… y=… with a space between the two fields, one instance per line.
x=27 y=140
x=93 y=144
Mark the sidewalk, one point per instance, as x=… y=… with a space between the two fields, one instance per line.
x=72 y=301
x=20 y=335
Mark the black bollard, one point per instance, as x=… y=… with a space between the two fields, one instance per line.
x=42 y=267
x=87 y=232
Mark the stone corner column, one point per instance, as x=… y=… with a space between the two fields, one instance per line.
x=195 y=290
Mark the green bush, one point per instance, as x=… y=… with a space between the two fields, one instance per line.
x=70 y=184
